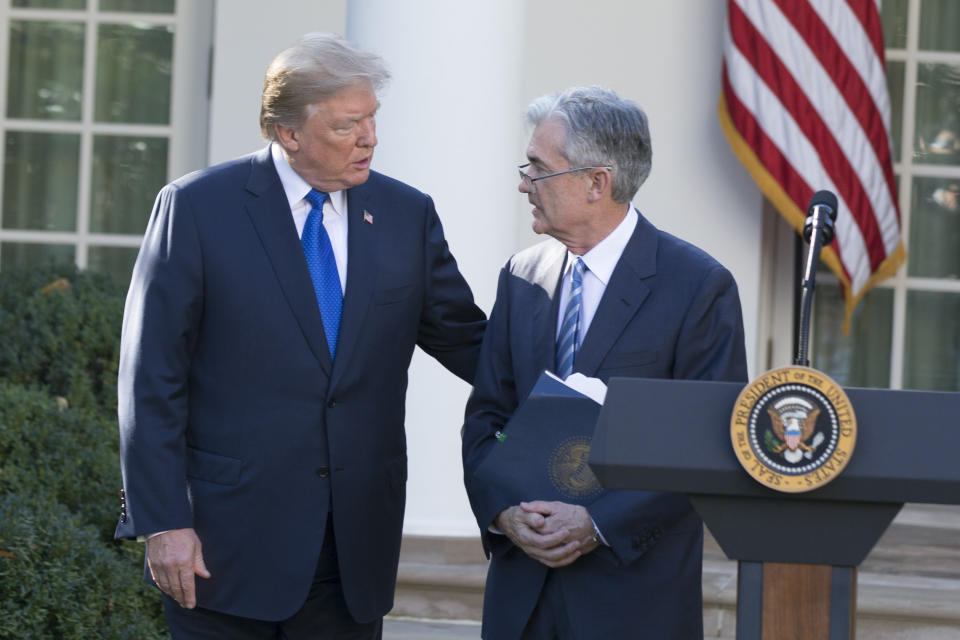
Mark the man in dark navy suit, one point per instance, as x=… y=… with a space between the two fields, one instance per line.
x=610 y=295
x=270 y=323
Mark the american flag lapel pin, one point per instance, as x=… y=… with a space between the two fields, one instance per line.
x=367 y=217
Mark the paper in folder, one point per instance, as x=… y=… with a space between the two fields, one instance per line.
x=542 y=452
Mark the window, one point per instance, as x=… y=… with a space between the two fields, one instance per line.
x=905 y=333
x=103 y=101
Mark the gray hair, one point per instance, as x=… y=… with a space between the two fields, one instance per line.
x=313 y=70
x=603 y=129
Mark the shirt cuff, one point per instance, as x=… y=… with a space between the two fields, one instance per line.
x=153 y=535
x=597 y=535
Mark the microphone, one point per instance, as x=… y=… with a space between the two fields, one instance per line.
x=818 y=231
x=822 y=213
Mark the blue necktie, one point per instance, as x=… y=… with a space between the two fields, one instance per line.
x=323 y=269
x=569 y=338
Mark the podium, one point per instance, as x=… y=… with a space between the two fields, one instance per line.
x=797 y=553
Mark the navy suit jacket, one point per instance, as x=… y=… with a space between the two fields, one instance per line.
x=669 y=311
x=233 y=418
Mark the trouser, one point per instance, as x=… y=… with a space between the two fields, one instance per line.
x=323 y=616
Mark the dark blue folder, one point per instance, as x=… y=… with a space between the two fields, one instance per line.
x=542 y=452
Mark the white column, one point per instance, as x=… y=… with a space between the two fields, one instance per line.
x=247 y=35
x=450 y=125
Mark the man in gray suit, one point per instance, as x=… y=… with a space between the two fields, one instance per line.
x=614 y=297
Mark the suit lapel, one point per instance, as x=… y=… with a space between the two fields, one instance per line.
x=361 y=272
x=621 y=300
x=271 y=216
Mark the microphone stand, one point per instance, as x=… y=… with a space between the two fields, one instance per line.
x=815 y=227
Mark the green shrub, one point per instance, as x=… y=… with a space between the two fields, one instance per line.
x=59 y=580
x=61 y=573
x=60 y=329
x=68 y=455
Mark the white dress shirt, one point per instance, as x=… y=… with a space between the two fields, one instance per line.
x=600 y=262
x=334 y=209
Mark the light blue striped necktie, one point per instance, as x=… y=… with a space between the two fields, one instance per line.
x=569 y=339
x=323 y=269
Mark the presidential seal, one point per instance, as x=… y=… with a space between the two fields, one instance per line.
x=568 y=469
x=793 y=429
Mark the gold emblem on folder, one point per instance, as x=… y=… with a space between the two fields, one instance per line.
x=568 y=469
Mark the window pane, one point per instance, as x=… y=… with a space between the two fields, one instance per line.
x=141 y=6
x=45 y=70
x=115 y=261
x=127 y=174
x=861 y=358
x=893 y=14
x=895 y=75
x=40 y=180
x=51 y=4
x=939 y=20
x=932 y=345
x=134 y=62
x=935 y=229
x=17 y=253
x=938 y=113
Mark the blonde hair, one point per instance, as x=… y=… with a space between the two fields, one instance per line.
x=316 y=67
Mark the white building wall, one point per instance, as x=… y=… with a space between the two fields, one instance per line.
x=666 y=57
x=247 y=35
x=450 y=124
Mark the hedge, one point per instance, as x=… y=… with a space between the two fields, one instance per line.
x=61 y=574
x=60 y=329
x=68 y=455
x=60 y=579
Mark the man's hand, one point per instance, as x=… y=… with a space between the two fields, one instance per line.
x=553 y=548
x=561 y=516
x=174 y=558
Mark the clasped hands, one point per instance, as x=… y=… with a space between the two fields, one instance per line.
x=554 y=533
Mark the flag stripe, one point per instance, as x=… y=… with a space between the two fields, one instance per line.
x=797 y=186
x=817 y=87
x=869 y=16
x=773 y=190
x=856 y=45
x=834 y=158
x=805 y=107
x=766 y=149
x=839 y=62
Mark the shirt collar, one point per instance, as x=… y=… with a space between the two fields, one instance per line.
x=296 y=188
x=603 y=258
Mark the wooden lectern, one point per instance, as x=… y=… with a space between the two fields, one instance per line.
x=797 y=553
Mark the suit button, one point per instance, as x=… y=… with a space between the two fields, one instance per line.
x=331 y=404
x=323 y=472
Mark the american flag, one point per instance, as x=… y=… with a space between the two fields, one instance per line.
x=805 y=107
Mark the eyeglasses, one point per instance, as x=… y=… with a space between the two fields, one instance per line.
x=529 y=180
